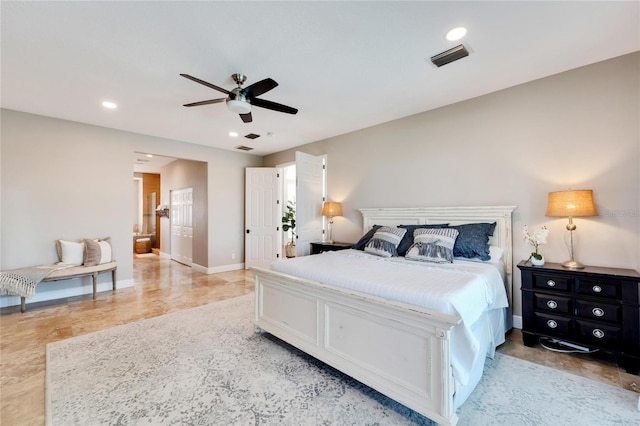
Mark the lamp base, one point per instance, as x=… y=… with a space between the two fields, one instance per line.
x=572 y=264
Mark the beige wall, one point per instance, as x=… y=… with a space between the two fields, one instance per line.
x=62 y=179
x=579 y=129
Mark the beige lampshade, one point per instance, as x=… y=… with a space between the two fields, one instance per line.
x=571 y=203
x=331 y=209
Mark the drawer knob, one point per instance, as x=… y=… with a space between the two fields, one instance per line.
x=551 y=283
x=598 y=333
x=599 y=312
x=553 y=324
x=597 y=289
x=552 y=304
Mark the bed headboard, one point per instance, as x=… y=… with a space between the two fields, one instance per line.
x=502 y=236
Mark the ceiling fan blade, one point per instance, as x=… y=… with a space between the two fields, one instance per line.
x=210 y=101
x=246 y=117
x=213 y=86
x=257 y=89
x=273 y=105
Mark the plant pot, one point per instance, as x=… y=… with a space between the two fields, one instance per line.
x=537 y=262
x=290 y=250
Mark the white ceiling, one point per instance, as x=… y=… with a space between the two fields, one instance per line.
x=144 y=162
x=344 y=65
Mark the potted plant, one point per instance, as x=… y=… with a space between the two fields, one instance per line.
x=535 y=240
x=289 y=223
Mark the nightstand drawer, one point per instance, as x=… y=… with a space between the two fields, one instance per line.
x=598 y=288
x=553 y=303
x=609 y=336
x=552 y=325
x=599 y=311
x=552 y=282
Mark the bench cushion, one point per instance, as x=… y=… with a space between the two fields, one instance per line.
x=73 y=271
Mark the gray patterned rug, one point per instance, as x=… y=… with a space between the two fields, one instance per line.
x=206 y=366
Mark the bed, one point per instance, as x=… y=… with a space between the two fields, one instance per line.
x=420 y=353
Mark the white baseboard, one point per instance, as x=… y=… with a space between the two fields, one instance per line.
x=217 y=269
x=517 y=321
x=52 y=290
x=206 y=270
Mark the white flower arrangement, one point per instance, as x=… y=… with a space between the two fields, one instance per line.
x=540 y=237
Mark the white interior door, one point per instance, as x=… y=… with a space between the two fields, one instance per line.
x=182 y=225
x=263 y=239
x=309 y=193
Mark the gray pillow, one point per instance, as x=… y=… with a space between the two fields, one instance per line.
x=407 y=240
x=385 y=241
x=362 y=242
x=433 y=245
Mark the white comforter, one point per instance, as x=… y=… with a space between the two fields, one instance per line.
x=465 y=289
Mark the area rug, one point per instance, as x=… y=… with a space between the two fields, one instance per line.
x=206 y=366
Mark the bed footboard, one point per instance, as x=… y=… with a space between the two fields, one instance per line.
x=400 y=350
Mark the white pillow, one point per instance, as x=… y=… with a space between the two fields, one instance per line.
x=71 y=253
x=495 y=253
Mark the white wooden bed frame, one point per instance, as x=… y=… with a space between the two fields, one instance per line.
x=402 y=351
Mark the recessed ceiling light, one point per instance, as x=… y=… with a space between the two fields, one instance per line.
x=233 y=134
x=456 y=33
x=110 y=105
x=150 y=155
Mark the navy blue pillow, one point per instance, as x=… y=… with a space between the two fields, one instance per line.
x=365 y=238
x=407 y=240
x=473 y=240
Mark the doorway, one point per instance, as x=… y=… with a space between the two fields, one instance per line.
x=268 y=191
x=145 y=220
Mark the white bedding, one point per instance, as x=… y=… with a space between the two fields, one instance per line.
x=465 y=289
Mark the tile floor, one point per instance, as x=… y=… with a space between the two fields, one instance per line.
x=162 y=286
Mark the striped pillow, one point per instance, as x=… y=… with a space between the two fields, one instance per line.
x=97 y=252
x=385 y=241
x=433 y=245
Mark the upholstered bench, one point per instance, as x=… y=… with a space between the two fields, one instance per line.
x=77 y=272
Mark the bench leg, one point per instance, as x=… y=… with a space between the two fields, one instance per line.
x=23 y=303
x=95 y=284
x=113 y=279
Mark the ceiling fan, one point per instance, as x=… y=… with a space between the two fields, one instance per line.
x=241 y=99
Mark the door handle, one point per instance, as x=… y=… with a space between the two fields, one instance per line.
x=248 y=231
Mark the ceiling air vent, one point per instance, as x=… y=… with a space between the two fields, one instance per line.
x=244 y=148
x=450 y=55
x=251 y=136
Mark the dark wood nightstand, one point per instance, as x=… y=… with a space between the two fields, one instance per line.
x=319 y=247
x=593 y=307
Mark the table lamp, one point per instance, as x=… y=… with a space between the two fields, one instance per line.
x=571 y=203
x=331 y=209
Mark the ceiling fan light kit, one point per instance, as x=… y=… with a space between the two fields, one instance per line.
x=239 y=106
x=240 y=100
